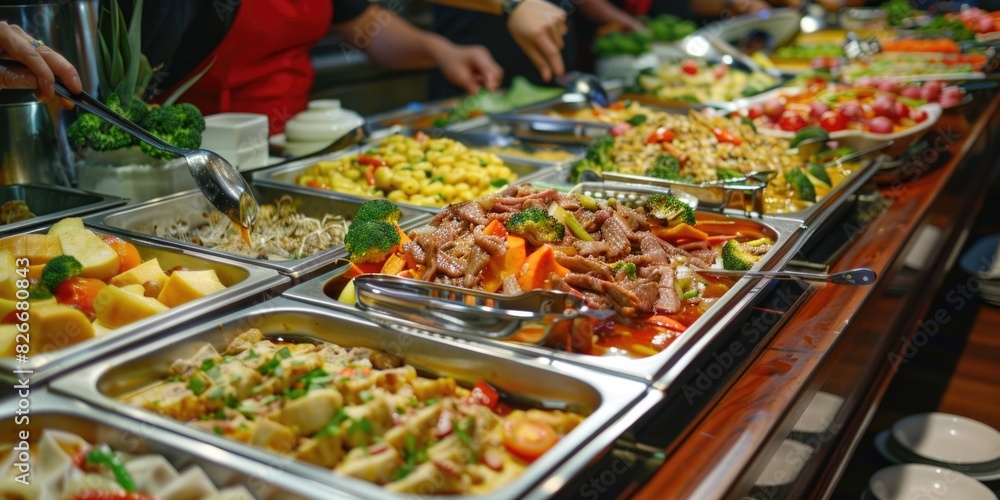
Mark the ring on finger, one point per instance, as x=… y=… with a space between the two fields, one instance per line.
x=37 y=43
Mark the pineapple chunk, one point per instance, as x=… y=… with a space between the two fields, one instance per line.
x=8 y=275
x=185 y=286
x=37 y=248
x=98 y=258
x=116 y=307
x=138 y=275
x=135 y=289
x=57 y=326
x=66 y=225
x=8 y=340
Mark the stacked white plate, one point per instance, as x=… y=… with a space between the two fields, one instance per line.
x=916 y=481
x=944 y=441
x=981 y=260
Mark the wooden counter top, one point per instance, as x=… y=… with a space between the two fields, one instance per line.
x=843 y=340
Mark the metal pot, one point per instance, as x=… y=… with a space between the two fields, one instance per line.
x=29 y=151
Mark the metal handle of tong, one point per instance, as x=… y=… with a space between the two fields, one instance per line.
x=454 y=310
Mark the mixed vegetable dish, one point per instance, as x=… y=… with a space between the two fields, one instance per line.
x=358 y=411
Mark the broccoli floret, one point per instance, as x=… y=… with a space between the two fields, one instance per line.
x=624 y=267
x=91 y=131
x=59 y=269
x=597 y=158
x=800 y=184
x=669 y=208
x=736 y=258
x=668 y=167
x=378 y=210
x=536 y=226
x=179 y=124
x=370 y=241
x=819 y=172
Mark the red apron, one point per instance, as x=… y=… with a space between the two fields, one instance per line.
x=262 y=65
x=638 y=7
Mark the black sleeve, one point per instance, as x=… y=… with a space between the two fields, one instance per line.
x=346 y=10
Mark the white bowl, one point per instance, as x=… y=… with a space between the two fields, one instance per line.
x=234 y=131
x=859 y=138
x=948 y=438
x=915 y=481
x=624 y=67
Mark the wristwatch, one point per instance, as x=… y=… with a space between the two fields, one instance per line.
x=510 y=5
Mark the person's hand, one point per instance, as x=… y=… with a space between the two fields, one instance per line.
x=538 y=27
x=470 y=67
x=739 y=7
x=41 y=65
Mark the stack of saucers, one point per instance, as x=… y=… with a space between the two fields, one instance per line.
x=943 y=440
x=982 y=260
x=917 y=481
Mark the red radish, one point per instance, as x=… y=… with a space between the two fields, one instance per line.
x=791 y=121
x=884 y=106
x=918 y=115
x=900 y=110
x=950 y=101
x=910 y=92
x=985 y=24
x=817 y=108
x=833 y=121
x=773 y=108
x=850 y=109
x=880 y=125
x=888 y=86
x=931 y=91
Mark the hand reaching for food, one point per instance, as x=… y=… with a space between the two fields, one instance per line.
x=41 y=65
x=538 y=27
x=469 y=67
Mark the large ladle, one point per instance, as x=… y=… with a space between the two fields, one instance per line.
x=222 y=184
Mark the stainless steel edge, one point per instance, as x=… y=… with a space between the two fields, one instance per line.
x=190 y=205
x=410 y=112
x=243 y=283
x=824 y=208
x=510 y=371
x=280 y=175
x=649 y=369
x=103 y=202
x=53 y=411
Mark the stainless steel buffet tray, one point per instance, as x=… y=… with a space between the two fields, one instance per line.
x=193 y=208
x=661 y=368
x=604 y=398
x=285 y=175
x=418 y=115
x=52 y=411
x=243 y=282
x=51 y=203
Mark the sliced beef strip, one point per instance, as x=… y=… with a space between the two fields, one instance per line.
x=616 y=232
x=581 y=264
x=493 y=245
x=589 y=248
x=667 y=300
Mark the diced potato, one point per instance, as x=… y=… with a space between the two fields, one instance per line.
x=37 y=248
x=116 y=307
x=138 y=275
x=8 y=306
x=185 y=286
x=8 y=275
x=66 y=225
x=8 y=340
x=99 y=260
x=57 y=326
x=136 y=289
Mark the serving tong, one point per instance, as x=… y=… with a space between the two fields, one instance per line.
x=449 y=310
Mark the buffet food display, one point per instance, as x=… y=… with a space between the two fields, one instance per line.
x=621 y=212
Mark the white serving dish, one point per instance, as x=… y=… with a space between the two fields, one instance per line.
x=914 y=481
x=902 y=140
x=948 y=438
x=240 y=138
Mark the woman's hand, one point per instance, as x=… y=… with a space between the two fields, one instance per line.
x=41 y=65
x=469 y=67
x=538 y=27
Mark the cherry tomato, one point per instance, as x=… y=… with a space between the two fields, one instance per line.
x=79 y=292
x=128 y=255
x=833 y=121
x=316 y=185
x=484 y=394
x=528 y=439
x=661 y=134
x=723 y=135
x=791 y=121
x=755 y=111
x=918 y=115
x=690 y=67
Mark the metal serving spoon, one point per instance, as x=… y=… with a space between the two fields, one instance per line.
x=586 y=84
x=224 y=187
x=861 y=276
